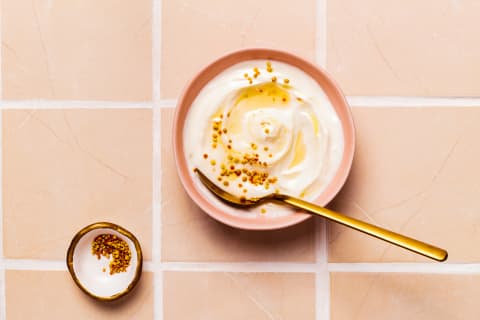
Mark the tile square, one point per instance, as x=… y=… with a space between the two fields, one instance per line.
x=239 y=296
x=64 y=169
x=197 y=32
x=414 y=48
x=415 y=171
x=189 y=234
x=404 y=296
x=53 y=295
x=77 y=50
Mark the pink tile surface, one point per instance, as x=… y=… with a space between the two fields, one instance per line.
x=189 y=234
x=64 y=169
x=66 y=164
x=239 y=296
x=196 y=32
x=404 y=296
x=426 y=48
x=81 y=50
x=414 y=172
x=53 y=295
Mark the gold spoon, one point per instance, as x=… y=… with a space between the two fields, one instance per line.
x=416 y=246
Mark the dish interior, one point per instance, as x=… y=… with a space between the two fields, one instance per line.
x=93 y=273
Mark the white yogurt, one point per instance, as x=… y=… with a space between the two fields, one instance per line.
x=258 y=128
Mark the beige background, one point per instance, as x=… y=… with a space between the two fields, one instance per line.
x=87 y=97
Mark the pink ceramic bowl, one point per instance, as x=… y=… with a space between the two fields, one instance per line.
x=209 y=72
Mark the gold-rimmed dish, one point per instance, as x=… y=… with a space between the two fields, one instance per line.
x=93 y=274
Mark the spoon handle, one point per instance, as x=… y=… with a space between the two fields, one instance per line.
x=411 y=244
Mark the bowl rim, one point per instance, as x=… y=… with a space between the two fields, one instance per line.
x=105 y=225
x=319 y=75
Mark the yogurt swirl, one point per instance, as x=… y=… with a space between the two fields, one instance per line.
x=259 y=128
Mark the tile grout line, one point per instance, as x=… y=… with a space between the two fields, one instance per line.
x=3 y=302
x=354 y=101
x=241 y=267
x=322 y=275
x=3 y=298
x=412 y=101
x=156 y=215
x=75 y=104
x=156 y=161
x=406 y=267
x=321 y=33
x=156 y=48
x=273 y=267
